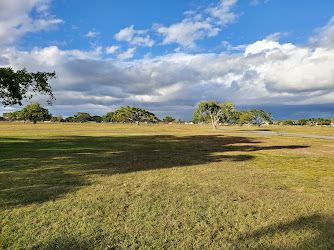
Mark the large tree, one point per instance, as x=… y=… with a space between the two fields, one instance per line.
x=134 y=114
x=34 y=112
x=18 y=86
x=211 y=109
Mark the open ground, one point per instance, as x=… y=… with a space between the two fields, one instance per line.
x=109 y=186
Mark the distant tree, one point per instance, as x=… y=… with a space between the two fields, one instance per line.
x=302 y=122
x=278 y=122
x=34 y=112
x=96 y=118
x=246 y=117
x=211 y=109
x=81 y=117
x=70 y=119
x=18 y=86
x=261 y=116
x=168 y=119
x=288 y=122
x=228 y=112
x=13 y=116
x=134 y=114
x=57 y=118
x=108 y=117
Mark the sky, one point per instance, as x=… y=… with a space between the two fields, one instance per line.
x=167 y=56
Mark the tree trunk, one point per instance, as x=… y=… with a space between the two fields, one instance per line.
x=214 y=124
x=137 y=123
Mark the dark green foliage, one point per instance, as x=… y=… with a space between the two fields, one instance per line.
x=34 y=112
x=130 y=114
x=16 y=87
x=168 y=119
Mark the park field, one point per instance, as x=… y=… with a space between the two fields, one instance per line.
x=111 y=186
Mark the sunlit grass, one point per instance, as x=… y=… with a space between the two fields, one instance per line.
x=102 y=190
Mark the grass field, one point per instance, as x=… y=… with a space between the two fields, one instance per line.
x=62 y=187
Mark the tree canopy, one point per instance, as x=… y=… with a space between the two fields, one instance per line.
x=34 y=112
x=18 y=86
x=130 y=114
x=213 y=110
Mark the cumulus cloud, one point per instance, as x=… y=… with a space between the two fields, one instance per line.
x=134 y=37
x=187 y=32
x=112 y=49
x=16 y=19
x=325 y=36
x=222 y=12
x=197 y=26
x=127 y=54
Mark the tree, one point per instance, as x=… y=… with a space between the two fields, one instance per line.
x=228 y=112
x=81 y=117
x=246 y=117
x=134 y=114
x=261 y=116
x=57 y=118
x=96 y=118
x=288 y=122
x=168 y=119
x=34 y=112
x=302 y=122
x=108 y=117
x=211 y=109
x=18 y=86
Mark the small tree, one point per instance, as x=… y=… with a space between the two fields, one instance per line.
x=34 y=112
x=168 y=119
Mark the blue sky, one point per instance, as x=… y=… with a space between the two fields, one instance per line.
x=167 y=56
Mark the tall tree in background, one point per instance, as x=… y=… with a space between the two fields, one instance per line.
x=21 y=85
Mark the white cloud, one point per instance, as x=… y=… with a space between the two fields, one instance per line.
x=197 y=26
x=112 y=49
x=223 y=12
x=325 y=36
x=187 y=32
x=92 y=34
x=134 y=37
x=15 y=19
x=127 y=54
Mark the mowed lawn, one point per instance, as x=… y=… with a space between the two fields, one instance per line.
x=75 y=189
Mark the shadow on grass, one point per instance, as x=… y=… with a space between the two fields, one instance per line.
x=321 y=226
x=38 y=170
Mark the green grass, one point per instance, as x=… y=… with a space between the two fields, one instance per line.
x=80 y=190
